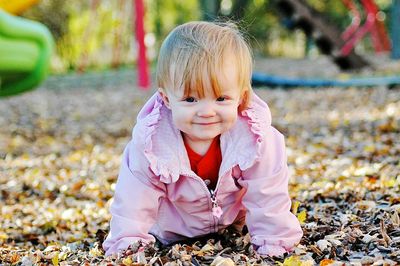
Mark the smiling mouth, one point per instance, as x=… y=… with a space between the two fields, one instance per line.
x=206 y=124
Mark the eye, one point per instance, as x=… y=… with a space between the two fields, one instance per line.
x=189 y=99
x=221 y=99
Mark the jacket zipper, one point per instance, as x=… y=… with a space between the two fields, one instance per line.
x=215 y=208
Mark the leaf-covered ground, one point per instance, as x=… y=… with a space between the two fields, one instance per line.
x=60 y=152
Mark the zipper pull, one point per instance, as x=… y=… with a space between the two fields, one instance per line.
x=216 y=209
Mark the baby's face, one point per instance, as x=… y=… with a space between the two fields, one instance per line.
x=202 y=119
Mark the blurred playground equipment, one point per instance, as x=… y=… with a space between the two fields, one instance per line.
x=25 y=49
x=395 y=29
x=143 y=69
x=259 y=79
x=330 y=41
x=16 y=6
x=298 y=14
x=373 y=25
x=26 y=46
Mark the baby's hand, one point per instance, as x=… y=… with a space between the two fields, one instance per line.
x=271 y=250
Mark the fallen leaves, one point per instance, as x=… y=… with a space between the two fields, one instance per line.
x=59 y=158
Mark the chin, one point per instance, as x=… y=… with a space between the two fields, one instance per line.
x=207 y=136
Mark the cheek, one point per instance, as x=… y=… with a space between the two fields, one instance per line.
x=231 y=116
x=179 y=117
x=234 y=117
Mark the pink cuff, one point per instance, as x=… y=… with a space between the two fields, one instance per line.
x=271 y=250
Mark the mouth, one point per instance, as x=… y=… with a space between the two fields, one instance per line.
x=206 y=123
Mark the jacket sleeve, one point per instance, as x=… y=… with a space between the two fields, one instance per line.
x=273 y=228
x=135 y=206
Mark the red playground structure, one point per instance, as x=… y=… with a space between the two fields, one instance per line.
x=373 y=24
x=366 y=18
x=143 y=68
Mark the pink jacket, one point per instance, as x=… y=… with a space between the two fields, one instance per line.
x=157 y=194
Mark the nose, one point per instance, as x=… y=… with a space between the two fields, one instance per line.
x=206 y=110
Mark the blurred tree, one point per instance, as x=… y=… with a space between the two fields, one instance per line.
x=239 y=8
x=210 y=9
x=335 y=11
x=53 y=13
x=163 y=15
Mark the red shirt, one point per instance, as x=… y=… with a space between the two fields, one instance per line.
x=207 y=166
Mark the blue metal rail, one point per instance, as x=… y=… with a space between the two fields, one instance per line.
x=260 y=79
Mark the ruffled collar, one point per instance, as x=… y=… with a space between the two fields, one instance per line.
x=164 y=147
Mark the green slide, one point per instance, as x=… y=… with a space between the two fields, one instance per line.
x=25 y=50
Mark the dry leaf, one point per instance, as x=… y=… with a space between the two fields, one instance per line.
x=221 y=261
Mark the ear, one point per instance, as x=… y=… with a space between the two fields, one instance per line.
x=164 y=97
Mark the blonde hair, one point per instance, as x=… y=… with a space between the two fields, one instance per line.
x=192 y=56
